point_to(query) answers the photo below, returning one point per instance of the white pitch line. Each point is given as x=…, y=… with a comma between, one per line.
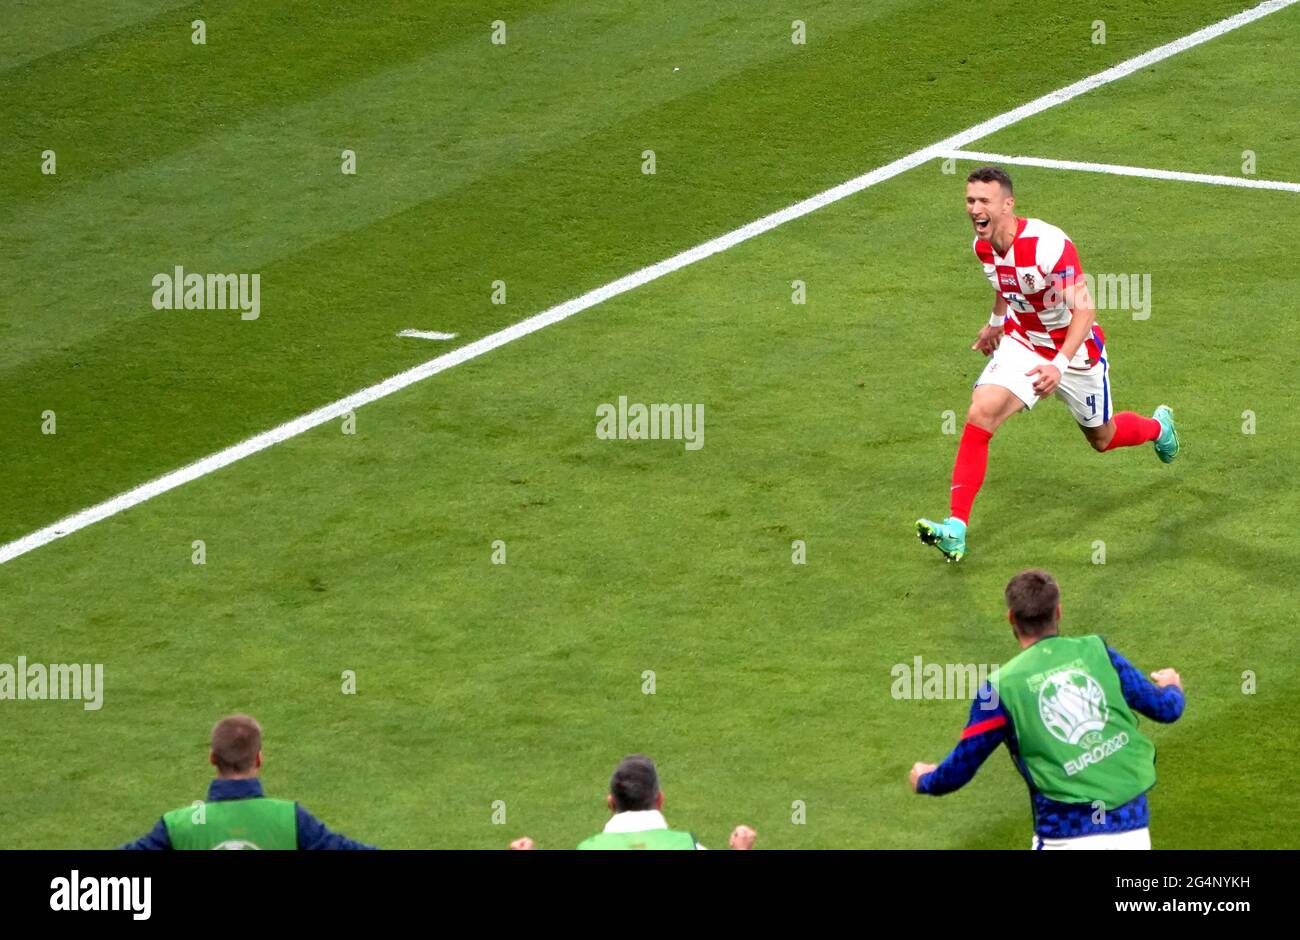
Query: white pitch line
x=425, y=334
x=1119, y=170
x=539, y=321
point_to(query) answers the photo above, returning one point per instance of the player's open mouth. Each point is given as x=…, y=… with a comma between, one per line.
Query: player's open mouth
x=981, y=223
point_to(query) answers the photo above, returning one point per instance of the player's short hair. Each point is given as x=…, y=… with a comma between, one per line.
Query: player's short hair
x=992, y=174
x=635, y=784
x=1032, y=597
x=236, y=741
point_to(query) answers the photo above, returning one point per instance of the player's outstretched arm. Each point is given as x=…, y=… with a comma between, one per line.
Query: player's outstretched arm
x=986, y=729
x=1160, y=698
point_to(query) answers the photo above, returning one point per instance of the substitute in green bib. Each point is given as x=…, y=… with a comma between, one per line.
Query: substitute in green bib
x=1067, y=709
x=637, y=804
x=237, y=814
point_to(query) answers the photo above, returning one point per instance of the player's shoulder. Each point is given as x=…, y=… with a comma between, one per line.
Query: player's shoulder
x=1037, y=228
x=1050, y=242
x=983, y=249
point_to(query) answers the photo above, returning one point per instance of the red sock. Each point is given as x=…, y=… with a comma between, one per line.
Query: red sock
x=1132, y=429
x=968, y=471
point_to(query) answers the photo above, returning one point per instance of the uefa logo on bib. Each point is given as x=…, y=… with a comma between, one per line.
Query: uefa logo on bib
x=236, y=845
x=1072, y=705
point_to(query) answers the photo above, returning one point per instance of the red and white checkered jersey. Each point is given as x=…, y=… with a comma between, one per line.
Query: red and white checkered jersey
x=1032, y=277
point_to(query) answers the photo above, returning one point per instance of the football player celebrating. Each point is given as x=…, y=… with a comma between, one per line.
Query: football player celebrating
x=1043, y=339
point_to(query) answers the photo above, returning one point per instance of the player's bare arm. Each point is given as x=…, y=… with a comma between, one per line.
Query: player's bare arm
x=991, y=334
x=1048, y=375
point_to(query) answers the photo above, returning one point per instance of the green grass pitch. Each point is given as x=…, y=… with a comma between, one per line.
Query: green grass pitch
x=372, y=552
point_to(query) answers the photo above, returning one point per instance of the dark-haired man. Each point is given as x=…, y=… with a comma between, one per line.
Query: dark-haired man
x=637, y=804
x=237, y=815
x=1042, y=308
x=1064, y=706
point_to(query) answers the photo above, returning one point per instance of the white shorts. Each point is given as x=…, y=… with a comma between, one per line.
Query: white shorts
x=1139, y=839
x=1086, y=391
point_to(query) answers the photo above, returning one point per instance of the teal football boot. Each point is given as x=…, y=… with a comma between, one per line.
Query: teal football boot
x=1167, y=442
x=948, y=536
